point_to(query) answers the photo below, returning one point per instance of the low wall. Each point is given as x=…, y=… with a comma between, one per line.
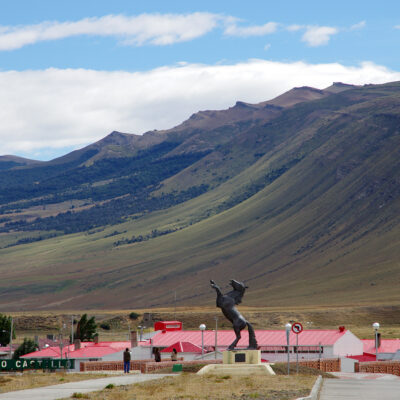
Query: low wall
x=144, y=366
x=323, y=364
x=154, y=366
x=381, y=367
x=110, y=365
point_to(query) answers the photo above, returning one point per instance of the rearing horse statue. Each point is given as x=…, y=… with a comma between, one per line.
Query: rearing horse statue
x=227, y=303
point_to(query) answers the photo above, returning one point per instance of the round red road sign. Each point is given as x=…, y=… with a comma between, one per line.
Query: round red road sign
x=297, y=328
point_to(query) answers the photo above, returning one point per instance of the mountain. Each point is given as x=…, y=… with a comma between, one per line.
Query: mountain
x=298, y=196
x=9, y=162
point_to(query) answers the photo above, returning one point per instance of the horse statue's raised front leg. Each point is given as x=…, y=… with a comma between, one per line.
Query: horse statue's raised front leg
x=216, y=287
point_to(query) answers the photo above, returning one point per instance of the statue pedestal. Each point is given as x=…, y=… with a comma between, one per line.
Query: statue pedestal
x=239, y=362
x=242, y=357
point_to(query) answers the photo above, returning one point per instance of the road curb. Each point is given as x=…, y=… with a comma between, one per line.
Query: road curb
x=314, y=391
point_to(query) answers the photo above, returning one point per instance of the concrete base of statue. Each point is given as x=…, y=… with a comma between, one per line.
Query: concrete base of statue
x=239, y=362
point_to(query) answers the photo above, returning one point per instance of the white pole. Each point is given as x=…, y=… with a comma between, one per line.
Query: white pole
x=288, y=328
x=202, y=327
x=202, y=343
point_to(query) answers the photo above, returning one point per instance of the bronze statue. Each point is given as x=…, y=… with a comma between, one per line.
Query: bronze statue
x=227, y=303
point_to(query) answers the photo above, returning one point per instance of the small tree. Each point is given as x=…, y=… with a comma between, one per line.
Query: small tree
x=86, y=328
x=27, y=346
x=133, y=315
x=5, y=327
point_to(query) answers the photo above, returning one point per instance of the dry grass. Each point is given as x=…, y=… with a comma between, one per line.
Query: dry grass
x=29, y=380
x=189, y=386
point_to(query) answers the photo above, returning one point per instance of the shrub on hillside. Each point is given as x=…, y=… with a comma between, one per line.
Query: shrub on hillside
x=134, y=315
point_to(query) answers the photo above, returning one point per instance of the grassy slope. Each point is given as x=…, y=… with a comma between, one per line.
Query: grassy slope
x=326, y=231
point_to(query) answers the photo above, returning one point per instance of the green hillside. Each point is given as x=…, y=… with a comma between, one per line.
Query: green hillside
x=302, y=203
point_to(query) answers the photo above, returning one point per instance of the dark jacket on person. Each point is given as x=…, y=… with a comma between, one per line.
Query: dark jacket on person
x=127, y=356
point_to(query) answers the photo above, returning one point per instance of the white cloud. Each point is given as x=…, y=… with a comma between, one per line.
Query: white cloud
x=359, y=25
x=254, y=30
x=155, y=29
x=318, y=35
x=267, y=46
x=57, y=108
x=397, y=27
x=294, y=28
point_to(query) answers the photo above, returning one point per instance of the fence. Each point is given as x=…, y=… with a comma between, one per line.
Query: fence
x=144, y=366
x=324, y=364
x=381, y=367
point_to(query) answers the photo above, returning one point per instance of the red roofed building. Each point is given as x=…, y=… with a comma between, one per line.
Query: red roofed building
x=84, y=351
x=312, y=343
x=182, y=347
x=168, y=326
x=389, y=349
x=187, y=350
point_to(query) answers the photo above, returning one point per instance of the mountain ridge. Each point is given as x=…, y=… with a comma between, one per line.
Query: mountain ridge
x=304, y=207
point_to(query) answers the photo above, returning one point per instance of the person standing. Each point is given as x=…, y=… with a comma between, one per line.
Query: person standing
x=127, y=361
x=157, y=355
x=174, y=355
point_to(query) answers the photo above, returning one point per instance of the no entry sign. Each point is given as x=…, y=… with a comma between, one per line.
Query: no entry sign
x=297, y=328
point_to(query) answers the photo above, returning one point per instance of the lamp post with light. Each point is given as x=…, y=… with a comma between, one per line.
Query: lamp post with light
x=288, y=327
x=376, y=326
x=202, y=327
x=216, y=336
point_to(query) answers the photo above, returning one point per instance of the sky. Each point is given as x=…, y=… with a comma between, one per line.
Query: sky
x=73, y=71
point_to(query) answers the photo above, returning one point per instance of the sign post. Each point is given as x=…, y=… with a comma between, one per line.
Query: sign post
x=297, y=328
x=35, y=363
x=288, y=327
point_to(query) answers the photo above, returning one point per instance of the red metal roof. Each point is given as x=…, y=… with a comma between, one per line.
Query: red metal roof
x=182, y=347
x=387, y=345
x=312, y=337
x=364, y=358
x=87, y=350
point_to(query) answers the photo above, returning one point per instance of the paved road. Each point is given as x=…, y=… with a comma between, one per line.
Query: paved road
x=361, y=387
x=67, y=389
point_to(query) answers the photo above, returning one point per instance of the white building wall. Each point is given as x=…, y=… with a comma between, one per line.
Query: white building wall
x=117, y=356
x=347, y=364
x=348, y=345
x=141, y=353
x=137, y=353
x=327, y=352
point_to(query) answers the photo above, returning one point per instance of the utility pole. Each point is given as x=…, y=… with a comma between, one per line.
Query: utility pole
x=175, y=307
x=216, y=336
x=72, y=329
x=11, y=335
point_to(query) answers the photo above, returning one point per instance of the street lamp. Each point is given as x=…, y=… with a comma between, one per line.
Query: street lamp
x=202, y=327
x=140, y=327
x=376, y=326
x=288, y=327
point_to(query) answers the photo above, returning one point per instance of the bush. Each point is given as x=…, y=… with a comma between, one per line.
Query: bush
x=110, y=386
x=134, y=315
x=105, y=326
x=78, y=395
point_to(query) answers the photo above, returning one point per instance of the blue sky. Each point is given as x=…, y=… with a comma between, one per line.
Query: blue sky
x=73, y=71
